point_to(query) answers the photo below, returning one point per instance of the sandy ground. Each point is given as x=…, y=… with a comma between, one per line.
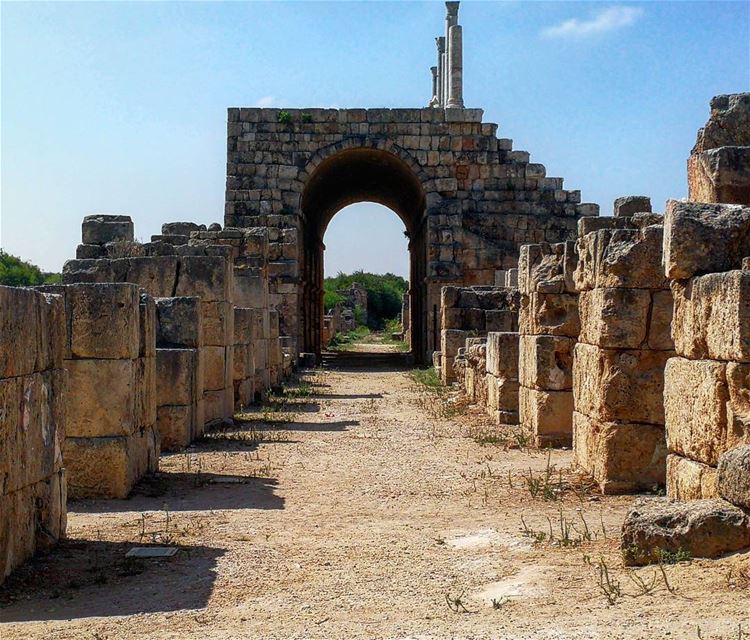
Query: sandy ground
x=368, y=516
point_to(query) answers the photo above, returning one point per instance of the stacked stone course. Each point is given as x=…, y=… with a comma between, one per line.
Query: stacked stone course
x=111, y=439
x=33, y=341
x=706, y=395
x=548, y=326
x=502, y=376
x=624, y=344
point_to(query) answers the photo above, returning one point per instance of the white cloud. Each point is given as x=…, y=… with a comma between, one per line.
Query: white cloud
x=266, y=102
x=607, y=20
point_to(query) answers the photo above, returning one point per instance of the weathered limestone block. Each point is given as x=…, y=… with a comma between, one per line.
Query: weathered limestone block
x=21, y=333
x=728, y=125
x=660, y=326
x=621, y=456
x=704, y=238
x=101, y=398
x=548, y=414
x=712, y=316
x=549, y=314
x=627, y=206
x=738, y=408
x=102, y=228
x=701, y=528
x=690, y=480
x=109, y=467
x=625, y=258
x=502, y=354
x=214, y=368
x=546, y=362
x=546, y=268
x=733, y=480
x=617, y=384
x=451, y=340
x=502, y=399
x=179, y=322
x=181, y=228
x=156, y=274
x=217, y=323
x=720, y=175
x=615, y=318
x=208, y=277
x=695, y=401
x=176, y=376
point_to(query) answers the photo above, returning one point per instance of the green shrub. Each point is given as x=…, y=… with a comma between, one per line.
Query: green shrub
x=15, y=272
x=384, y=294
x=284, y=117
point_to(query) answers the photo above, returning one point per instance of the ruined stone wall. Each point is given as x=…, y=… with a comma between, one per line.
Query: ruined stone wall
x=548, y=327
x=707, y=383
x=33, y=343
x=180, y=415
x=467, y=312
x=476, y=200
x=111, y=439
x=502, y=376
x=244, y=358
x=624, y=344
x=719, y=163
x=474, y=354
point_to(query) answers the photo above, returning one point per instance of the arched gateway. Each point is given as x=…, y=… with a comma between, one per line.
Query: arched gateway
x=468, y=201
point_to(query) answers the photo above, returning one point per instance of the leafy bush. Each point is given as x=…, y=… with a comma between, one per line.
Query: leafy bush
x=284, y=117
x=384, y=294
x=15, y=272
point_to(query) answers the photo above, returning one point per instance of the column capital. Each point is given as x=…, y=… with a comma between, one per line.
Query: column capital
x=452, y=9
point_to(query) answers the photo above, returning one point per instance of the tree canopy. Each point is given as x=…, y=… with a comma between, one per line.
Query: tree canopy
x=15, y=272
x=384, y=294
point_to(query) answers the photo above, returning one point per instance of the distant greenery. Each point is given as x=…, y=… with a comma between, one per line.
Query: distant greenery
x=342, y=340
x=384, y=294
x=15, y=272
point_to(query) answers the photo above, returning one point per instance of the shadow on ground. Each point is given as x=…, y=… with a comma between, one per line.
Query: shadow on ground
x=86, y=578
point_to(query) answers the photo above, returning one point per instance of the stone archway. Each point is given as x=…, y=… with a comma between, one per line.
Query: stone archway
x=346, y=176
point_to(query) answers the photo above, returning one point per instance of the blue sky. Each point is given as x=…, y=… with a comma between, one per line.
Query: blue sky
x=121, y=107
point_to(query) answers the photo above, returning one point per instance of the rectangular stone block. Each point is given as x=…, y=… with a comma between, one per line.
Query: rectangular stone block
x=103, y=228
x=720, y=175
x=501, y=320
x=690, y=480
x=546, y=268
x=177, y=426
x=177, y=376
x=214, y=406
x=547, y=414
x=452, y=318
x=502, y=395
x=622, y=457
x=738, y=408
x=660, y=327
x=626, y=258
x=20, y=331
x=147, y=326
x=502, y=354
x=104, y=320
x=217, y=320
x=616, y=318
x=549, y=314
x=546, y=362
x=208, y=277
x=179, y=322
x=214, y=368
x=704, y=238
x=243, y=329
x=619, y=384
x=145, y=392
x=712, y=316
x=695, y=401
x=156, y=274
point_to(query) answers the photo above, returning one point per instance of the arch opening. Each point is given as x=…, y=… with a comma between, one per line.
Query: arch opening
x=349, y=177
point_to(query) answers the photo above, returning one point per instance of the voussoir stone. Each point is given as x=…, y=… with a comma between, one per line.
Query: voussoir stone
x=700, y=528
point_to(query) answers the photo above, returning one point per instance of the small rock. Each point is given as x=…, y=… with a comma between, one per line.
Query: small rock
x=700, y=528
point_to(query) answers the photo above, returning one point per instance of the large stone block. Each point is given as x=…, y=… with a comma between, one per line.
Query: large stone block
x=728, y=125
x=704, y=238
x=546, y=268
x=104, y=320
x=720, y=175
x=712, y=316
x=156, y=274
x=177, y=376
x=733, y=481
x=616, y=384
x=218, y=323
x=738, y=408
x=695, y=403
x=145, y=392
x=690, y=480
x=547, y=414
x=549, y=314
x=502, y=395
x=625, y=258
x=615, y=318
x=621, y=456
x=660, y=326
x=20, y=331
x=101, y=398
x=101, y=228
x=502, y=354
x=546, y=362
x=214, y=368
x=176, y=425
x=147, y=326
x=208, y=277
x=243, y=325
x=701, y=528
x=179, y=322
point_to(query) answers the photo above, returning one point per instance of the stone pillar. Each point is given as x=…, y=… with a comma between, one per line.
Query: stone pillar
x=440, y=42
x=434, y=98
x=455, y=69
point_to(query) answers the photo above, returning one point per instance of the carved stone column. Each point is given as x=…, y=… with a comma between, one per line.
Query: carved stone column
x=456, y=66
x=434, y=99
x=440, y=42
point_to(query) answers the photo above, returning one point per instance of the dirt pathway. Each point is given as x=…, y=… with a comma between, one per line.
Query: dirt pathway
x=368, y=516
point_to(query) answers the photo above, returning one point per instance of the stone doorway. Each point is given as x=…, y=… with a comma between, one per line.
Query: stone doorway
x=361, y=174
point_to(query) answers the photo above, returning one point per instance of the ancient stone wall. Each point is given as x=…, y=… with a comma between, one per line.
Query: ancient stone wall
x=548, y=327
x=467, y=312
x=707, y=384
x=33, y=344
x=502, y=376
x=467, y=199
x=180, y=414
x=624, y=344
x=719, y=164
x=111, y=439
